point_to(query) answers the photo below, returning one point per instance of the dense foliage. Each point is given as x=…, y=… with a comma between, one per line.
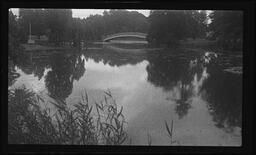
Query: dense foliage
x=164, y=27
x=13, y=35
x=227, y=27
x=169, y=27
x=61, y=28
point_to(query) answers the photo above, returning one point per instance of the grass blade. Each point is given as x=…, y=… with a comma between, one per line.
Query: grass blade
x=168, y=130
x=120, y=112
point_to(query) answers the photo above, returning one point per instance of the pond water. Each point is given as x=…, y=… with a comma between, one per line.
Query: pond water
x=200, y=91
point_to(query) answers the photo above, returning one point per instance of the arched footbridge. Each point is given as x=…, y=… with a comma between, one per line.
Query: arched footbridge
x=124, y=35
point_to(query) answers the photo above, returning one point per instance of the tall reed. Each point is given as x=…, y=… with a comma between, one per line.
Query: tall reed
x=170, y=132
x=29, y=123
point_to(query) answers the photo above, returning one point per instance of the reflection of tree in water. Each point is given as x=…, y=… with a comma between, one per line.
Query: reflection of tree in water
x=12, y=74
x=35, y=66
x=64, y=70
x=23, y=62
x=114, y=58
x=183, y=104
x=39, y=67
x=224, y=94
x=166, y=71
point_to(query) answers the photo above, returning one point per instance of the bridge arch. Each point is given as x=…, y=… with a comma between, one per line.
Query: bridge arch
x=125, y=34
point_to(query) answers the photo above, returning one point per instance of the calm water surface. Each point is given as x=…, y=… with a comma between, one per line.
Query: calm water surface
x=200, y=91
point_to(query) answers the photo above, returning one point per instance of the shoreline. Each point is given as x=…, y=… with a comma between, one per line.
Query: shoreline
x=197, y=45
x=37, y=47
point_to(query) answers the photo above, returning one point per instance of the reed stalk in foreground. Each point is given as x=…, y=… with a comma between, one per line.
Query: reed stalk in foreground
x=149, y=139
x=29, y=123
x=170, y=132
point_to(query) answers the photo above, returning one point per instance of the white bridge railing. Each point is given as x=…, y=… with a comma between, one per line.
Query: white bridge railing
x=123, y=34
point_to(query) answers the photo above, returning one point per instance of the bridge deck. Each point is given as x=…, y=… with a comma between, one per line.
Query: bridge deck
x=125, y=34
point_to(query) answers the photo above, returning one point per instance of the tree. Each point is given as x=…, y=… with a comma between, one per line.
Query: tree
x=60, y=27
x=166, y=27
x=122, y=21
x=169, y=27
x=13, y=31
x=197, y=23
x=95, y=26
x=76, y=31
x=35, y=17
x=227, y=28
x=57, y=23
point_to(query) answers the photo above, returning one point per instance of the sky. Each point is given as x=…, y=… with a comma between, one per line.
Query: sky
x=84, y=13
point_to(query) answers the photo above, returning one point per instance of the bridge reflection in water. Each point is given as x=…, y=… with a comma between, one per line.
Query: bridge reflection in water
x=130, y=48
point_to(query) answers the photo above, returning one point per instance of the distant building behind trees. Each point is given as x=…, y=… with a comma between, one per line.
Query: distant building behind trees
x=39, y=39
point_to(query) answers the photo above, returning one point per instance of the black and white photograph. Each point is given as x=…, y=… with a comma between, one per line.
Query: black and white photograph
x=130, y=77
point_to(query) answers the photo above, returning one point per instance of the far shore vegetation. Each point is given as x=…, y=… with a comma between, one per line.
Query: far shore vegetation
x=164, y=28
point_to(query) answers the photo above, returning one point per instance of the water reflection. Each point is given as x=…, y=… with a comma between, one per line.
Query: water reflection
x=175, y=69
x=203, y=75
x=224, y=93
x=151, y=86
x=183, y=104
x=113, y=58
x=23, y=61
x=64, y=70
x=30, y=64
x=165, y=69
